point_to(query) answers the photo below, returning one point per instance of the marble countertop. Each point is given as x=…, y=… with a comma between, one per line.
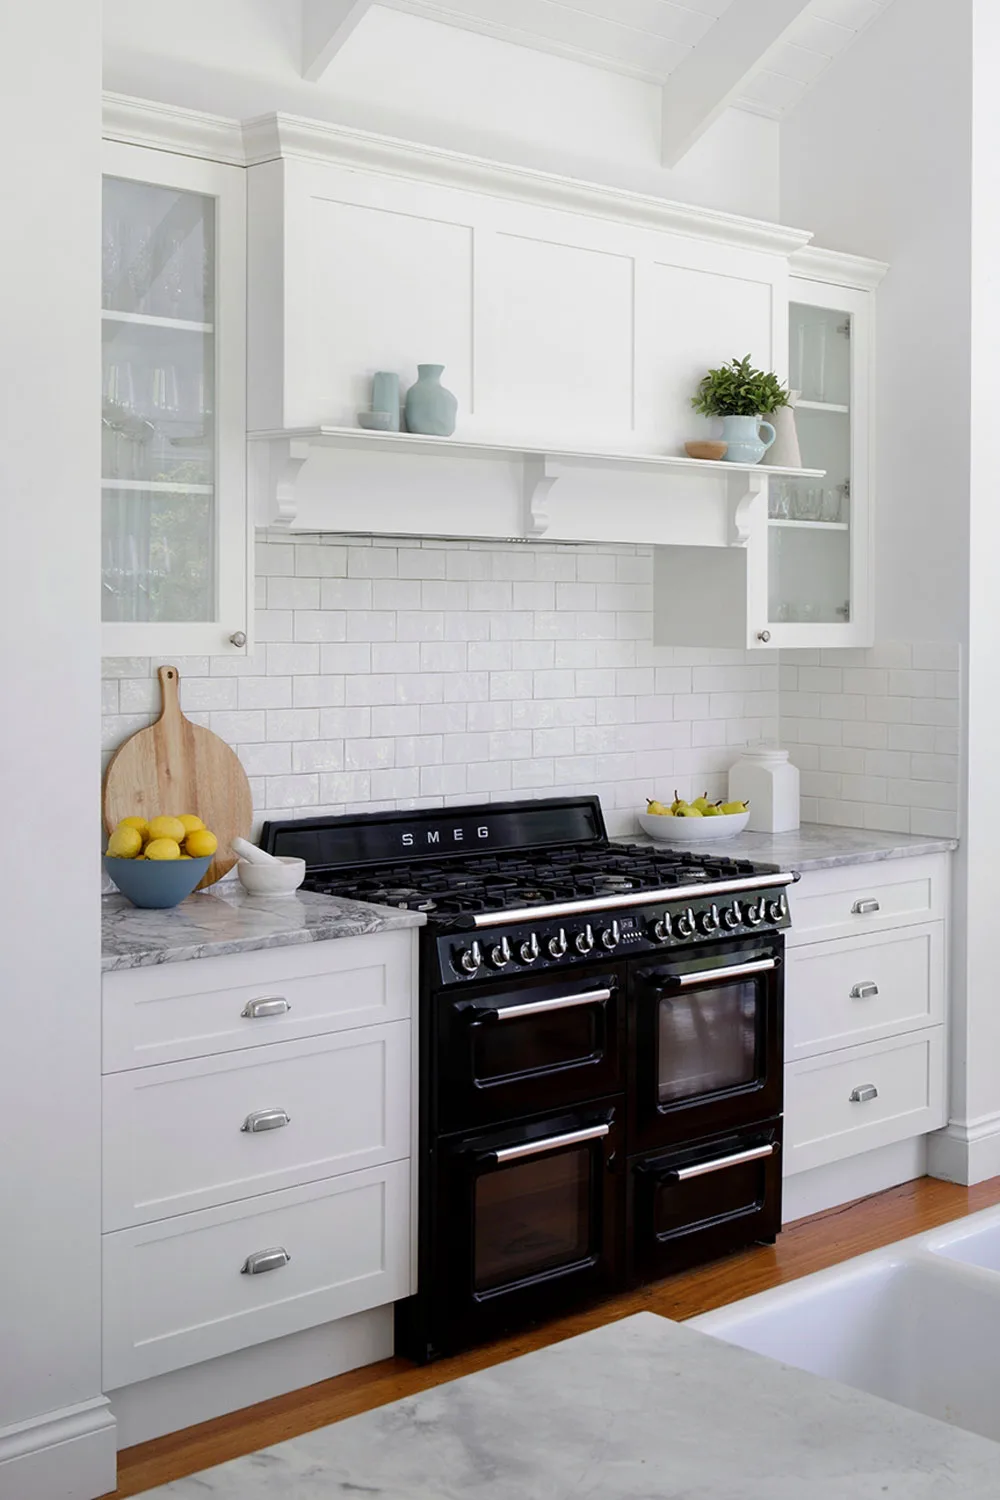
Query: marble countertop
x=820, y=846
x=643, y=1409
x=227, y=920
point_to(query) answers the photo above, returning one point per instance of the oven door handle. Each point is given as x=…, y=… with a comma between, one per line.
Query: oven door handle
x=485, y=1012
x=708, y=976
x=551, y=1143
x=720, y=1163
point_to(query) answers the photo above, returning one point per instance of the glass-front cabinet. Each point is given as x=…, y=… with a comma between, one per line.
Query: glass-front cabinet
x=174, y=540
x=818, y=530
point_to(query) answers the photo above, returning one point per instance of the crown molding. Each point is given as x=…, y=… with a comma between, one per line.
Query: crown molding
x=170, y=127
x=273, y=137
x=838, y=268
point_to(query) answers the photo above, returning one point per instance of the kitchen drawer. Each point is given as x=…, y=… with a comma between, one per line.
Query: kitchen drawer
x=173, y=1011
x=828, y=989
x=854, y=899
x=173, y=1140
x=824, y=1124
x=174, y=1293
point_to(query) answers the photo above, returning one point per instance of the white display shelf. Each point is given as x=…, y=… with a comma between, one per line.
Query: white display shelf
x=158, y=486
x=809, y=525
x=148, y=320
x=830, y=406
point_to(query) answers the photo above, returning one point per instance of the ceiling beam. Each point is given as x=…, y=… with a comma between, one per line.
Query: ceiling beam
x=713, y=74
x=326, y=25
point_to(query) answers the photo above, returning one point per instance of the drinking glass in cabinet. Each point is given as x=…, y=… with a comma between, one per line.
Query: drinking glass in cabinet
x=158, y=555
x=820, y=355
x=158, y=252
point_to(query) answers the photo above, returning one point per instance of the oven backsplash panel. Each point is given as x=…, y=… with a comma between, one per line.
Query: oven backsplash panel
x=396, y=673
x=399, y=673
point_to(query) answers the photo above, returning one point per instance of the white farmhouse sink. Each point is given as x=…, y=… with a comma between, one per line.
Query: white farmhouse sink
x=917, y=1323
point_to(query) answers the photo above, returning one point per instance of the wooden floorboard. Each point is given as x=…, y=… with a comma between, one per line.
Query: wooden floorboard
x=808, y=1245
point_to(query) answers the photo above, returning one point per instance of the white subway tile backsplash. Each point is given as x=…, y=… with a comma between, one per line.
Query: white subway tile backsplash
x=318, y=755
x=266, y=760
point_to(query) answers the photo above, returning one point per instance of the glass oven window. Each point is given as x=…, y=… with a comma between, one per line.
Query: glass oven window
x=538, y=1044
x=683, y=1207
x=707, y=1040
x=532, y=1217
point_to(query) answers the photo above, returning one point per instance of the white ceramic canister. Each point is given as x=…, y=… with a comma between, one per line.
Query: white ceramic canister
x=766, y=779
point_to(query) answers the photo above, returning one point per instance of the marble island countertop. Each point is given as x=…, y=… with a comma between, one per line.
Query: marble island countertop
x=642, y=1409
x=819, y=846
x=226, y=920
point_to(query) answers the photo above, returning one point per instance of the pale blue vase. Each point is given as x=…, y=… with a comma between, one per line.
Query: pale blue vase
x=385, y=396
x=742, y=434
x=430, y=409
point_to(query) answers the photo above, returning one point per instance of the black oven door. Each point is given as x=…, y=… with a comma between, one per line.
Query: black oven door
x=517, y=1048
x=527, y=1221
x=696, y=1203
x=705, y=1046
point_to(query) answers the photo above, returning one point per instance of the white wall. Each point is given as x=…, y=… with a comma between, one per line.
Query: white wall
x=406, y=76
x=50, y=1186
x=875, y=160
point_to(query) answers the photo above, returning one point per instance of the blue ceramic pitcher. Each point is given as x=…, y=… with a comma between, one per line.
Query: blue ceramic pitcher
x=742, y=434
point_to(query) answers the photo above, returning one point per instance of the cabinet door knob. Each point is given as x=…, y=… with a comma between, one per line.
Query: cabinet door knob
x=265, y=1260
x=863, y=1093
x=238, y=639
x=265, y=1119
x=764, y=635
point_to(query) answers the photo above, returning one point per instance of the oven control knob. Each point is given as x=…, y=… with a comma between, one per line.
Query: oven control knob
x=685, y=923
x=584, y=941
x=558, y=945
x=755, y=914
x=529, y=950
x=500, y=954
x=663, y=928
x=776, y=910
x=611, y=937
x=708, y=921
x=732, y=917
x=471, y=961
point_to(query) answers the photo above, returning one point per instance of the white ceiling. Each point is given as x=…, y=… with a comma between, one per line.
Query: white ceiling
x=648, y=38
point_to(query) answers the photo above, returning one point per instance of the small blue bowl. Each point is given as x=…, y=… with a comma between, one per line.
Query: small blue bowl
x=156, y=883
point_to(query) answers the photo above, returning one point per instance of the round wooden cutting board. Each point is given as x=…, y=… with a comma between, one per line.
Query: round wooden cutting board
x=177, y=767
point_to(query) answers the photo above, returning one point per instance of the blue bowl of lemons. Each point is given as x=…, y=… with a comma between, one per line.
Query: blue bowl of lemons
x=155, y=864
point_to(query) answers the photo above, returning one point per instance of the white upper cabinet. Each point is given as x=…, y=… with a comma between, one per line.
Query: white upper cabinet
x=572, y=334
x=803, y=578
x=174, y=545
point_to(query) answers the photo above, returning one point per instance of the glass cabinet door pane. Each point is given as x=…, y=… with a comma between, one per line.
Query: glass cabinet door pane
x=158, y=447
x=809, y=530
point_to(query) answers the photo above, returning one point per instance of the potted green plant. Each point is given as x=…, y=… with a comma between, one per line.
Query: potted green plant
x=741, y=396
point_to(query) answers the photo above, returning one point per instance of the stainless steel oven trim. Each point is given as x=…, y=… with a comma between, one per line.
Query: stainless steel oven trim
x=714, y=976
x=720, y=1163
x=551, y=1143
x=632, y=898
x=541, y=1007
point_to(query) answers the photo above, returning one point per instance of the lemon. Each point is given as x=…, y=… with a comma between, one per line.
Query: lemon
x=191, y=823
x=139, y=824
x=163, y=848
x=200, y=843
x=168, y=828
x=125, y=842
x=184, y=856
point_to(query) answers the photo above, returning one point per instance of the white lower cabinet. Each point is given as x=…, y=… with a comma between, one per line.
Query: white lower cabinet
x=865, y=1006
x=259, y=1182
x=183, y=1290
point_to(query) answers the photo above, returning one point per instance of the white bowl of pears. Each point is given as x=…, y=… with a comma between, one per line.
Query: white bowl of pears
x=697, y=822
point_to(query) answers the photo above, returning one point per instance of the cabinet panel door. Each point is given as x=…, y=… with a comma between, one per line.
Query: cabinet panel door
x=174, y=552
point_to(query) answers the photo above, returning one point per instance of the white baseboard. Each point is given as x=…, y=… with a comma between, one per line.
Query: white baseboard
x=69, y=1454
x=966, y=1152
x=842, y=1181
x=200, y=1392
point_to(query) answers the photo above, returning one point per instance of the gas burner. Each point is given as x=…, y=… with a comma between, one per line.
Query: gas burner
x=615, y=883
x=405, y=899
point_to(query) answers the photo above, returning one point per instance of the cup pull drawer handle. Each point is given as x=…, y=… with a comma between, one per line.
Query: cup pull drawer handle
x=865, y=908
x=863, y=1093
x=265, y=1260
x=265, y=1119
x=866, y=990
x=268, y=1005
